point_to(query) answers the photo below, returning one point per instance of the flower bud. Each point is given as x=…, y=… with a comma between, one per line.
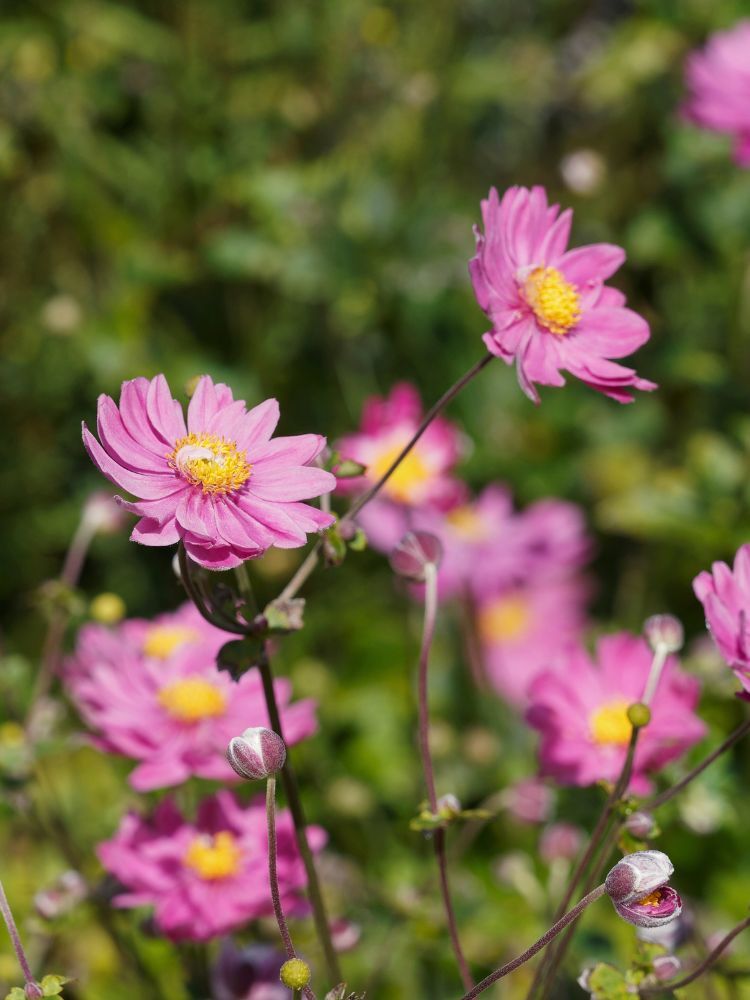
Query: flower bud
x=107, y=608
x=257, y=754
x=560, y=840
x=666, y=966
x=295, y=974
x=659, y=907
x=33, y=991
x=641, y=824
x=637, y=875
x=414, y=552
x=664, y=633
x=639, y=715
x=61, y=896
x=448, y=806
x=102, y=513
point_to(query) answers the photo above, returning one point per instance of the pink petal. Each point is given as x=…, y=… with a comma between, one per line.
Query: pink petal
x=300, y=449
x=124, y=449
x=164, y=412
x=607, y=332
x=147, y=486
x=591, y=264
x=195, y=513
x=291, y=483
x=206, y=401
x=148, y=532
x=258, y=425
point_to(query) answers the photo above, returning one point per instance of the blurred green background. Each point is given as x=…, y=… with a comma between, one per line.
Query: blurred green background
x=281, y=194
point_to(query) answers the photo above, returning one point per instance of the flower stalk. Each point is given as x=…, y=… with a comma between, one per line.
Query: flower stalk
x=15, y=939
x=707, y=963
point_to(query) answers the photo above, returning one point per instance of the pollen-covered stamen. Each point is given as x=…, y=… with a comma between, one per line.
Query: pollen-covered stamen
x=214, y=857
x=555, y=301
x=211, y=462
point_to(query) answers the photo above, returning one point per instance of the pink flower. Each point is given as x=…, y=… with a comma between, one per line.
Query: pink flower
x=174, y=714
x=524, y=628
x=486, y=544
x=580, y=708
x=718, y=78
x=725, y=596
x=424, y=477
x=549, y=307
x=219, y=483
x=205, y=879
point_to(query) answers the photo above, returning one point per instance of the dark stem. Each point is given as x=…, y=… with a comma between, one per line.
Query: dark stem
x=195, y=595
x=548, y=968
x=274, y=878
x=15, y=937
x=434, y=410
x=291, y=790
x=704, y=966
x=659, y=800
x=543, y=941
x=428, y=631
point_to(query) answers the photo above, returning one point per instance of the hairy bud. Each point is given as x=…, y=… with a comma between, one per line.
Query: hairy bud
x=664, y=633
x=637, y=875
x=257, y=754
x=641, y=824
x=295, y=974
x=414, y=553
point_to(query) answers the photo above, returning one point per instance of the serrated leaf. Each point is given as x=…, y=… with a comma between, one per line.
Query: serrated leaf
x=16, y=994
x=52, y=985
x=239, y=656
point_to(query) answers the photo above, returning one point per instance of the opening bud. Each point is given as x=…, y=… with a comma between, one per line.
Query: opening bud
x=257, y=754
x=295, y=974
x=642, y=825
x=637, y=886
x=637, y=875
x=664, y=633
x=414, y=552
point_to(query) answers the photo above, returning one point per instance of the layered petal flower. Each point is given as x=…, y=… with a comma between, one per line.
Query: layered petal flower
x=580, y=709
x=725, y=596
x=219, y=482
x=205, y=878
x=550, y=308
x=718, y=82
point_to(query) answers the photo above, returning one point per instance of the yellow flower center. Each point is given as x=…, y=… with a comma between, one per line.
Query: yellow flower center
x=653, y=899
x=193, y=699
x=555, y=302
x=405, y=482
x=504, y=619
x=162, y=640
x=467, y=523
x=214, y=857
x=210, y=462
x=610, y=724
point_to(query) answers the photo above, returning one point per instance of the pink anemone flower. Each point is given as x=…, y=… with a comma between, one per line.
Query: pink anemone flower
x=725, y=596
x=175, y=716
x=424, y=478
x=550, y=308
x=718, y=78
x=220, y=483
x=580, y=709
x=522, y=629
x=205, y=878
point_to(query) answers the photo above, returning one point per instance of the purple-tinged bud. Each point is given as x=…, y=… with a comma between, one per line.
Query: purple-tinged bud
x=664, y=633
x=659, y=907
x=666, y=966
x=641, y=824
x=61, y=896
x=33, y=991
x=637, y=875
x=257, y=754
x=560, y=840
x=102, y=513
x=414, y=553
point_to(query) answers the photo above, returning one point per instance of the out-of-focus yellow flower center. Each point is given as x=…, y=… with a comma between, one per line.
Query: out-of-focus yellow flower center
x=609, y=724
x=162, y=640
x=12, y=734
x=107, y=608
x=193, y=699
x=405, y=482
x=214, y=858
x=504, y=619
x=556, y=303
x=467, y=523
x=210, y=462
x=653, y=899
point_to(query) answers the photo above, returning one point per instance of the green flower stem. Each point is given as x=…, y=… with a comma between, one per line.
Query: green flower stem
x=428, y=632
x=543, y=941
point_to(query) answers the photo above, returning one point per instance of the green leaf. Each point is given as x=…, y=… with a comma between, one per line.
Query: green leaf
x=16, y=994
x=52, y=985
x=349, y=469
x=359, y=542
x=239, y=656
x=605, y=982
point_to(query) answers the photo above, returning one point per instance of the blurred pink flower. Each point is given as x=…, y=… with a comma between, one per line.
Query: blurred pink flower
x=175, y=714
x=486, y=544
x=423, y=478
x=725, y=596
x=221, y=484
x=524, y=628
x=529, y=800
x=718, y=79
x=580, y=708
x=549, y=307
x=207, y=878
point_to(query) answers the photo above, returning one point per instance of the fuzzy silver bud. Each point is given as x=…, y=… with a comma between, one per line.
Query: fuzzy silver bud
x=257, y=754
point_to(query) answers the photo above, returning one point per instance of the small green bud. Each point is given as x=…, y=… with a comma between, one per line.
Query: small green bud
x=295, y=974
x=639, y=715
